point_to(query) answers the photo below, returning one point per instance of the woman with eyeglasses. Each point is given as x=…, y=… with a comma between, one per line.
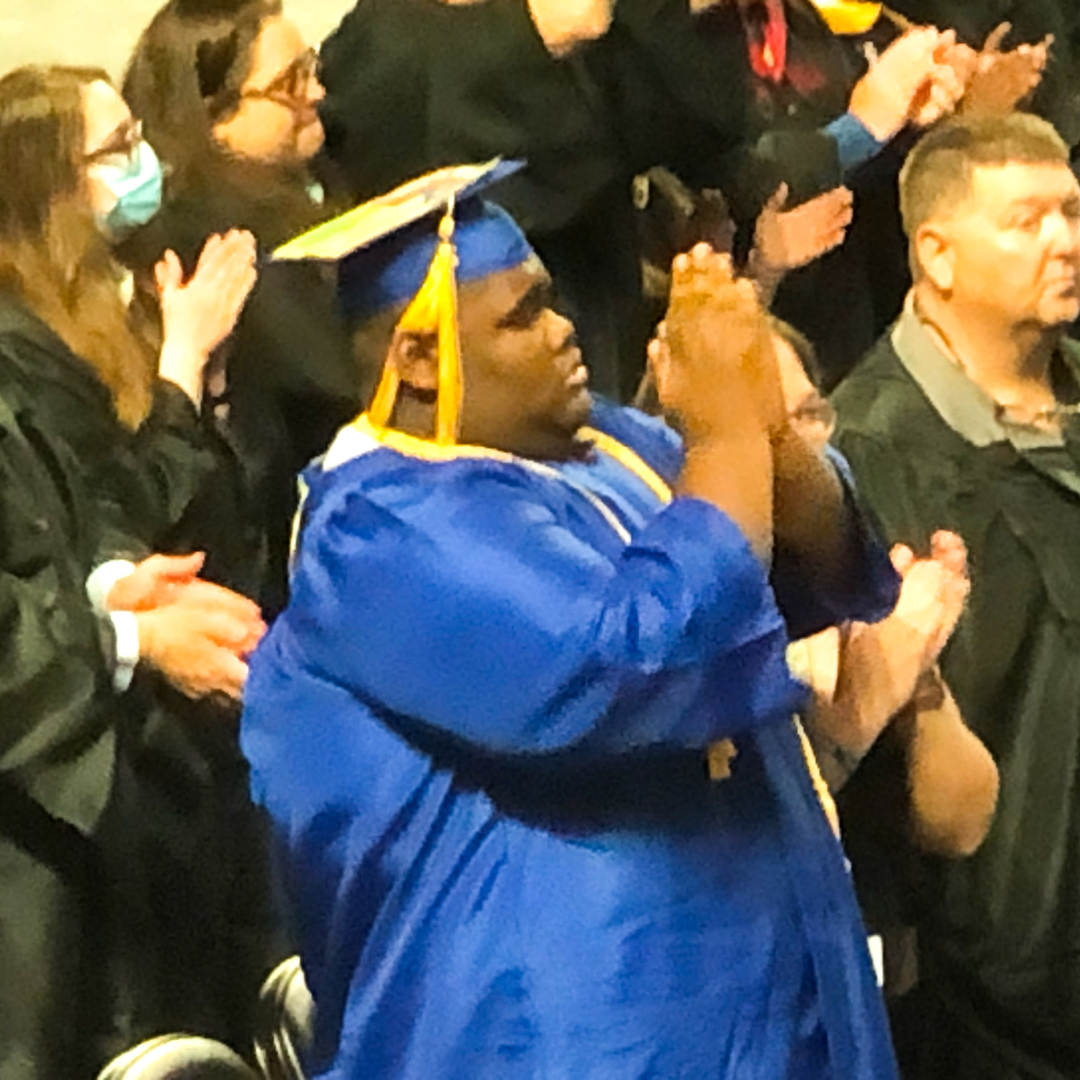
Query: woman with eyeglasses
x=109, y=393
x=227, y=92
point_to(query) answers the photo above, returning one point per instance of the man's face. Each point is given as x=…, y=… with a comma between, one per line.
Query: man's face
x=1015, y=244
x=525, y=388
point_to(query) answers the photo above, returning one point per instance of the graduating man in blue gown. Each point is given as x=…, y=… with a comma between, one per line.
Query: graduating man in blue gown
x=526, y=730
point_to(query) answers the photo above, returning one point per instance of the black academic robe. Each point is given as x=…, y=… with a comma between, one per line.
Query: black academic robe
x=999, y=931
x=57, y=746
x=179, y=837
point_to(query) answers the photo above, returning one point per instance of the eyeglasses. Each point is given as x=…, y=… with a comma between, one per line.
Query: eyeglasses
x=817, y=410
x=121, y=147
x=291, y=86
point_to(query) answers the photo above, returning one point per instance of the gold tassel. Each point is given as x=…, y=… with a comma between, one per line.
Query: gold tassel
x=432, y=311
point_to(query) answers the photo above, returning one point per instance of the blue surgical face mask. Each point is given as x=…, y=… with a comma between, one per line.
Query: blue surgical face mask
x=136, y=186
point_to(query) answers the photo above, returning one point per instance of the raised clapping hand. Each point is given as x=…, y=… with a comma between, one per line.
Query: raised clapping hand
x=995, y=81
x=199, y=314
x=784, y=240
x=911, y=82
x=714, y=356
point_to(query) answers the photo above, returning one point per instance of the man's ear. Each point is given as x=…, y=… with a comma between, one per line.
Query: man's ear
x=416, y=357
x=935, y=256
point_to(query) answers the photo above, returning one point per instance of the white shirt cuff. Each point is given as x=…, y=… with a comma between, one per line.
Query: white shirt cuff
x=126, y=632
x=100, y=583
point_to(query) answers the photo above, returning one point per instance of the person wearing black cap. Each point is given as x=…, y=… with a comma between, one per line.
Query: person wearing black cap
x=525, y=727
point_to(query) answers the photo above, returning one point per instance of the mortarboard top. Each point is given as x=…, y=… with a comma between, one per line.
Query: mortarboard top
x=380, y=218
x=412, y=246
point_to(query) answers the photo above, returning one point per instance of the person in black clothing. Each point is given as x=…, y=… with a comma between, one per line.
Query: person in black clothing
x=423, y=83
x=179, y=835
x=418, y=84
x=964, y=417
x=62, y=992
x=226, y=91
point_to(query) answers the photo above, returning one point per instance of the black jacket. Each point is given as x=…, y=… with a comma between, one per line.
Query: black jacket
x=999, y=931
x=180, y=882
x=58, y=725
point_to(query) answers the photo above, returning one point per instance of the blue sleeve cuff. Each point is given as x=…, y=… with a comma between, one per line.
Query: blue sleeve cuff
x=855, y=145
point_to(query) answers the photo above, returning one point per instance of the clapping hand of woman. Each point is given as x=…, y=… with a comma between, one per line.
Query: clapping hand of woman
x=199, y=314
x=195, y=633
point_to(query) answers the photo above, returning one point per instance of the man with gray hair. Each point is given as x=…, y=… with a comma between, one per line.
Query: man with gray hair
x=964, y=418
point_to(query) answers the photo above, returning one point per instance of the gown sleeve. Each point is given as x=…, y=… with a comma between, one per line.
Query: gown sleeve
x=870, y=586
x=55, y=720
x=476, y=608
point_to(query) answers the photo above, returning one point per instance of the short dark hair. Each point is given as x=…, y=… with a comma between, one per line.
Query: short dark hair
x=936, y=178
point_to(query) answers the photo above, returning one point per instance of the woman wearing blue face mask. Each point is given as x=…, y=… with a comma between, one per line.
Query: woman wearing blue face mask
x=119, y=385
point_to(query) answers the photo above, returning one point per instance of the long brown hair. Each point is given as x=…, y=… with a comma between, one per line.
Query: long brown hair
x=51, y=252
x=184, y=77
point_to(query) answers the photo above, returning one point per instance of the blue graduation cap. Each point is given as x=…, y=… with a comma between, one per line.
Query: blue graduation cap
x=413, y=246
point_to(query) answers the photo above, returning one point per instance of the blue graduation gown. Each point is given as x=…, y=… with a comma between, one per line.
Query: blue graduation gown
x=480, y=728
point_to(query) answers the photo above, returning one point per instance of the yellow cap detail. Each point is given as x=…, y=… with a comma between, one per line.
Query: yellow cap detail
x=848, y=16
x=432, y=311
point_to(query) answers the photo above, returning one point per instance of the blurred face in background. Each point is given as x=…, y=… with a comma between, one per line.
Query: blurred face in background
x=276, y=118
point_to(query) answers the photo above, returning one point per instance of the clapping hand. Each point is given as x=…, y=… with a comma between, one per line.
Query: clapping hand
x=713, y=358
x=200, y=313
x=911, y=82
x=998, y=81
x=933, y=593
x=784, y=240
x=195, y=633
x=200, y=642
x=882, y=664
